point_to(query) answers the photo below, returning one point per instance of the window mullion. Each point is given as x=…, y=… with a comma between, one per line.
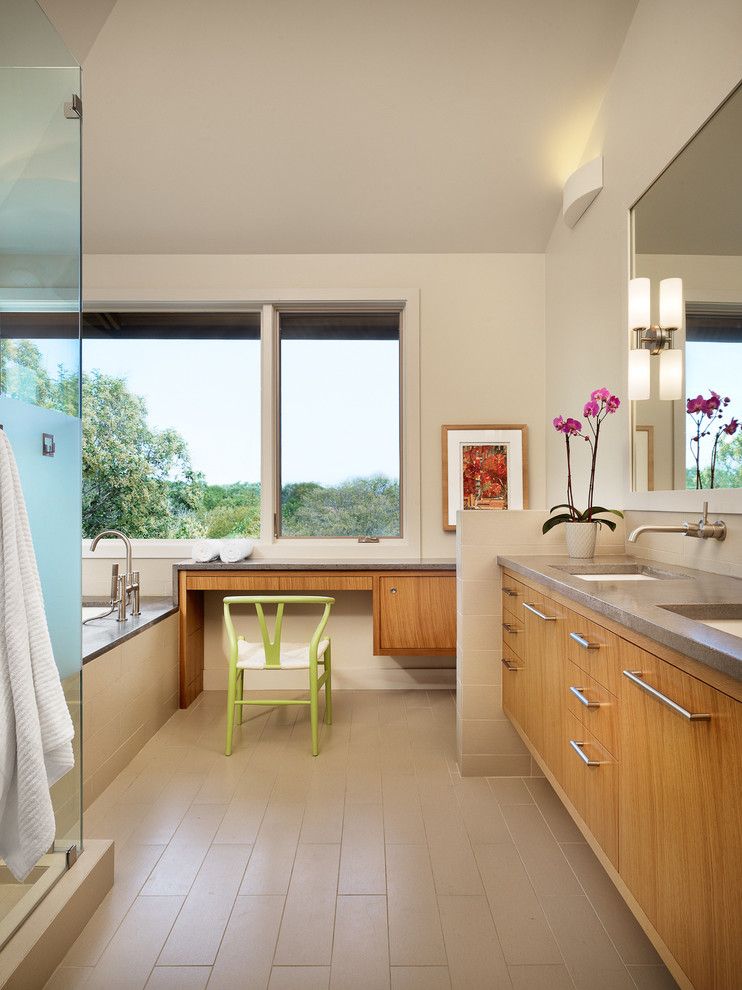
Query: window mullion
x=268, y=424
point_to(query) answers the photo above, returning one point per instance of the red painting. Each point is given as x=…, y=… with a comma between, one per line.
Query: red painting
x=484, y=472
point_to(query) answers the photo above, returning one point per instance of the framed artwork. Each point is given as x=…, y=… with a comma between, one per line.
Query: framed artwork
x=643, y=453
x=484, y=468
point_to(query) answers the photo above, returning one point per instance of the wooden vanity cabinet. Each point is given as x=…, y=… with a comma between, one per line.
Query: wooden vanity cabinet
x=680, y=815
x=415, y=615
x=656, y=792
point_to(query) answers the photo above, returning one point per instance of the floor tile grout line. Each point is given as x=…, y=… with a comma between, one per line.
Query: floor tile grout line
x=535, y=892
x=580, y=884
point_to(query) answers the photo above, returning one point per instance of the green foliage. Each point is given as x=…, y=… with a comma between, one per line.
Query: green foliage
x=587, y=515
x=728, y=467
x=357, y=507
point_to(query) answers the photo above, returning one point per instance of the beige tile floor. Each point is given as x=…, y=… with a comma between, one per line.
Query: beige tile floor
x=372, y=866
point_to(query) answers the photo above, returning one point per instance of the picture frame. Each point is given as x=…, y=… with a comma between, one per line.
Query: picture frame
x=485, y=468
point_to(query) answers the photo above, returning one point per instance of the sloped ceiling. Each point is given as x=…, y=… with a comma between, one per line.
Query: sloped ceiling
x=78, y=21
x=282, y=126
x=695, y=206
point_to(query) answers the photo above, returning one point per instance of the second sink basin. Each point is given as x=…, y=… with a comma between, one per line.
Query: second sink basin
x=724, y=617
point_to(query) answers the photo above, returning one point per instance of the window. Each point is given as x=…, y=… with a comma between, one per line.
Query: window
x=171, y=424
x=339, y=424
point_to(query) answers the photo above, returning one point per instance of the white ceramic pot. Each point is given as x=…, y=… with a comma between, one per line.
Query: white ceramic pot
x=581, y=537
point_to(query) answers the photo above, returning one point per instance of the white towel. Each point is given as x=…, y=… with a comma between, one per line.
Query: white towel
x=36, y=730
x=204, y=551
x=232, y=551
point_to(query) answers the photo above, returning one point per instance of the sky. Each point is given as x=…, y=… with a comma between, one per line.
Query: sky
x=340, y=404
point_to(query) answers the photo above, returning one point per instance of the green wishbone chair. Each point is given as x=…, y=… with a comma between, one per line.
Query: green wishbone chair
x=271, y=655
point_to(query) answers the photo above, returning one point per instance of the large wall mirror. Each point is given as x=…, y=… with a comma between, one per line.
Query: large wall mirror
x=688, y=226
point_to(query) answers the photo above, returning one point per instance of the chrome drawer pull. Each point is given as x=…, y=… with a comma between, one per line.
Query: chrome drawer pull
x=509, y=666
x=546, y=618
x=577, y=747
x=635, y=676
x=577, y=692
x=510, y=593
x=584, y=643
x=510, y=629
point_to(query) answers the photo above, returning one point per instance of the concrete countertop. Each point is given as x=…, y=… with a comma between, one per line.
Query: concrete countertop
x=292, y=564
x=101, y=635
x=636, y=604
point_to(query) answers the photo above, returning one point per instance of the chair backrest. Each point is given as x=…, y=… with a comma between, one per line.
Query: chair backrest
x=272, y=646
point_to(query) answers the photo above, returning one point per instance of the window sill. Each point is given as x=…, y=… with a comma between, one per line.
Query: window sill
x=333, y=549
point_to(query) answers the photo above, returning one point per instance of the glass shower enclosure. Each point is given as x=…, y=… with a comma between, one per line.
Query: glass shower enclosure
x=40, y=263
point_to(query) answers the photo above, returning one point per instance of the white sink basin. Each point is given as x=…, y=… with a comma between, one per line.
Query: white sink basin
x=616, y=577
x=725, y=617
x=733, y=626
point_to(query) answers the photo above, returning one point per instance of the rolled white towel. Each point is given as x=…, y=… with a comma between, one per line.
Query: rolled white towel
x=204, y=551
x=233, y=551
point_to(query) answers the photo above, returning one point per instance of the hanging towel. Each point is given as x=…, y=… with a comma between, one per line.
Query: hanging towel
x=204, y=551
x=36, y=730
x=231, y=551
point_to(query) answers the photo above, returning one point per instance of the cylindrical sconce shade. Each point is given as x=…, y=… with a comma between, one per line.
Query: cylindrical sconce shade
x=639, y=303
x=671, y=374
x=671, y=302
x=639, y=380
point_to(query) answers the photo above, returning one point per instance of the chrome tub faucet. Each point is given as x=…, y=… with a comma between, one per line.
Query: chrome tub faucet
x=124, y=587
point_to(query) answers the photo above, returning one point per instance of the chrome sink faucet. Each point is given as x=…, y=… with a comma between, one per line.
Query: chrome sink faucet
x=124, y=587
x=701, y=530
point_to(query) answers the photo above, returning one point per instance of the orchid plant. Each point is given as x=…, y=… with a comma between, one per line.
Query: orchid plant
x=602, y=403
x=707, y=414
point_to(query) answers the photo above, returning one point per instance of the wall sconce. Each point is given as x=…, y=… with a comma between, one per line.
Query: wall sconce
x=651, y=339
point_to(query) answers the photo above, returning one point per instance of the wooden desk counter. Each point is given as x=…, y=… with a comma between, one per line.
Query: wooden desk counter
x=413, y=602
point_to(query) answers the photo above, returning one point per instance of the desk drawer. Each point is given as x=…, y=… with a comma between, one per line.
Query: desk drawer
x=594, y=650
x=594, y=706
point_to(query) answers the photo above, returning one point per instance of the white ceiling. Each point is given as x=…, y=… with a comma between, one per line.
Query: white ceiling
x=287, y=126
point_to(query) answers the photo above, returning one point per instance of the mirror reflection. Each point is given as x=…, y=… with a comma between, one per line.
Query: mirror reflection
x=685, y=364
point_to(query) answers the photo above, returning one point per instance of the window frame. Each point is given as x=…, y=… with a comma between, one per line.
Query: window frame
x=269, y=304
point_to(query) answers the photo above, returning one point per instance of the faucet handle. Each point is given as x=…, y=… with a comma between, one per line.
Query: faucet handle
x=114, y=582
x=705, y=516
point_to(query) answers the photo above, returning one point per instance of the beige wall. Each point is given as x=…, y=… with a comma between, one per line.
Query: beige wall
x=645, y=119
x=481, y=361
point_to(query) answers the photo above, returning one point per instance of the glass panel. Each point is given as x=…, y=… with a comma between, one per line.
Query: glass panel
x=191, y=469
x=688, y=225
x=340, y=478
x=40, y=368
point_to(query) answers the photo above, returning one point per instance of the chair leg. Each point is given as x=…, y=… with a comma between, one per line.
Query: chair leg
x=328, y=686
x=240, y=694
x=231, y=692
x=313, y=711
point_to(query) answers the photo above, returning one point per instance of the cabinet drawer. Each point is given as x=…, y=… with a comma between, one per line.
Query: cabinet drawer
x=512, y=596
x=594, y=706
x=513, y=634
x=591, y=782
x=594, y=650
